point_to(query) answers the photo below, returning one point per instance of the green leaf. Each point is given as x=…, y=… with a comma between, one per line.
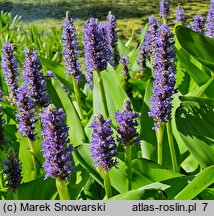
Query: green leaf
x=153, y=171
x=141, y=194
x=122, y=49
x=197, y=185
x=128, y=43
x=115, y=94
x=207, y=194
x=38, y=189
x=79, y=177
x=8, y=110
x=138, y=180
x=186, y=41
x=76, y=131
x=26, y=159
x=148, y=144
x=197, y=45
x=194, y=122
x=59, y=70
x=82, y=152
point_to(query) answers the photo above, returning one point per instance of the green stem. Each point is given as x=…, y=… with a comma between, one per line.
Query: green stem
x=171, y=146
x=159, y=136
x=33, y=152
x=107, y=182
x=128, y=160
x=103, y=95
x=16, y=195
x=77, y=96
x=1, y=177
x=62, y=189
x=165, y=21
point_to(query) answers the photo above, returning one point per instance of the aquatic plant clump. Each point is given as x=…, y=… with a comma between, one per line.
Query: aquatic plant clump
x=10, y=68
x=103, y=147
x=56, y=148
x=96, y=47
x=12, y=170
x=127, y=129
x=71, y=50
x=164, y=75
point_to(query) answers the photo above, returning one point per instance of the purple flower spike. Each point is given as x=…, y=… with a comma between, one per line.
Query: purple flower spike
x=210, y=21
x=103, y=146
x=56, y=148
x=164, y=74
x=96, y=47
x=12, y=170
x=198, y=24
x=71, y=50
x=164, y=9
x=148, y=46
x=142, y=55
x=10, y=68
x=151, y=35
x=180, y=15
x=34, y=78
x=25, y=115
x=125, y=72
x=112, y=38
x=127, y=120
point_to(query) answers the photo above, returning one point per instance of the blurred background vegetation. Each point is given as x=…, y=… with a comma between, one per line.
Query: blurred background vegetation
x=37, y=23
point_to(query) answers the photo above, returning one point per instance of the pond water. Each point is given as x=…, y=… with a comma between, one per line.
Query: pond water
x=32, y=10
x=131, y=14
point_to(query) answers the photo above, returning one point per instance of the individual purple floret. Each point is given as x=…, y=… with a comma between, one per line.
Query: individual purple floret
x=127, y=120
x=34, y=78
x=198, y=24
x=50, y=74
x=10, y=68
x=12, y=170
x=180, y=17
x=103, y=146
x=210, y=21
x=56, y=148
x=25, y=114
x=164, y=9
x=71, y=50
x=112, y=38
x=96, y=47
x=164, y=74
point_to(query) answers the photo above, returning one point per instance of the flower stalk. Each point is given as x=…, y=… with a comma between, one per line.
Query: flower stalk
x=159, y=136
x=171, y=146
x=62, y=189
x=128, y=161
x=103, y=95
x=107, y=182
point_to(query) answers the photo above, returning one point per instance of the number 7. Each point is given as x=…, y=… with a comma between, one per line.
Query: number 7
x=205, y=205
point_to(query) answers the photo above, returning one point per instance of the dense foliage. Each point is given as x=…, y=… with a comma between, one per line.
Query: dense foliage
x=100, y=128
